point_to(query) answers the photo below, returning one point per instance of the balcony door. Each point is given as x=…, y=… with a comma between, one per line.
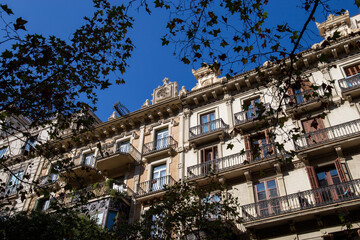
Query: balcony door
x=162, y=139
x=207, y=122
x=123, y=147
x=265, y=191
x=258, y=146
x=158, y=177
x=316, y=131
x=251, y=105
x=207, y=157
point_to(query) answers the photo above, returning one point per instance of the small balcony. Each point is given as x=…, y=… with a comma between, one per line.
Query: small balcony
x=350, y=86
x=209, y=131
x=306, y=101
x=345, y=135
x=81, y=174
x=49, y=181
x=162, y=146
x=251, y=118
x=234, y=165
x=117, y=160
x=154, y=186
x=302, y=203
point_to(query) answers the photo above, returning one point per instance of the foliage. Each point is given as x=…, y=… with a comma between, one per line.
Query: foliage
x=188, y=210
x=39, y=225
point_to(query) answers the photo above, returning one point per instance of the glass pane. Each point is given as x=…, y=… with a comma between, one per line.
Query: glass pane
x=110, y=219
x=271, y=184
x=333, y=172
x=124, y=147
x=260, y=187
x=212, y=116
x=204, y=119
x=273, y=193
x=321, y=175
x=161, y=167
x=261, y=196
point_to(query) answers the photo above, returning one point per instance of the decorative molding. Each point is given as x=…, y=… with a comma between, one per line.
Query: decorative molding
x=166, y=91
x=180, y=165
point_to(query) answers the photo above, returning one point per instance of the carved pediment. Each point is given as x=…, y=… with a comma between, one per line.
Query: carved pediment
x=166, y=91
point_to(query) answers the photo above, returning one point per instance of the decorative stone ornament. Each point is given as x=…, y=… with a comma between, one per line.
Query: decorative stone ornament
x=205, y=77
x=166, y=91
x=146, y=104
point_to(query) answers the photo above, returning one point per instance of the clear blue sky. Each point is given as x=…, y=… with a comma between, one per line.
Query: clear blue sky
x=150, y=61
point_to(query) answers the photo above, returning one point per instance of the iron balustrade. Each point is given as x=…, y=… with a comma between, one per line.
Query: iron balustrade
x=129, y=149
x=301, y=201
x=155, y=185
x=328, y=134
x=159, y=144
x=232, y=161
x=48, y=179
x=307, y=96
x=251, y=114
x=208, y=127
x=349, y=83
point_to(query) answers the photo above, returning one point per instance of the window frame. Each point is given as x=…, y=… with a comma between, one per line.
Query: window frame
x=83, y=159
x=2, y=152
x=13, y=188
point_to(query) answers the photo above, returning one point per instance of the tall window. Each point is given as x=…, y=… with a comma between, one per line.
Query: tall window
x=300, y=94
x=3, y=151
x=315, y=125
x=352, y=70
x=207, y=155
x=88, y=159
x=252, y=108
x=158, y=177
x=265, y=191
x=258, y=146
x=162, y=140
x=14, y=182
x=30, y=144
x=124, y=147
x=207, y=122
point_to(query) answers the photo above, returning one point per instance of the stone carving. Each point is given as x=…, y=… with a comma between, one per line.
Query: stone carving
x=167, y=90
x=205, y=76
x=182, y=92
x=146, y=104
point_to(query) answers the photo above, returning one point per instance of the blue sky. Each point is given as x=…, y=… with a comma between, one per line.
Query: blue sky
x=150, y=62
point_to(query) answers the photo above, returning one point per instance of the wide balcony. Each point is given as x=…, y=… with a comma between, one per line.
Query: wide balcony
x=97, y=190
x=160, y=146
x=118, y=159
x=209, y=131
x=233, y=165
x=302, y=203
x=154, y=186
x=81, y=174
x=345, y=135
x=252, y=117
x=305, y=101
x=350, y=86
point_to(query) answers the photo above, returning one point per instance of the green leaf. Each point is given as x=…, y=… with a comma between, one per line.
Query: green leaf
x=357, y=3
x=230, y=146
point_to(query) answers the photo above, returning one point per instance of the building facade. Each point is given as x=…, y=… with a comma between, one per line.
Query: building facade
x=184, y=136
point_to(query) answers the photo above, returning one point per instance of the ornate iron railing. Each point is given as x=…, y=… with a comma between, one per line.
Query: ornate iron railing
x=48, y=179
x=159, y=144
x=233, y=161
x=251, y=114
x=349, y=83
x=208, y=127
x=328, y=134
x=155, y=185
x=129, y=149
x=301, y=201
x=304, y=97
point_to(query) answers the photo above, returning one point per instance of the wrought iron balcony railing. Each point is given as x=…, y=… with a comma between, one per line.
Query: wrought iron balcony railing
x=349, y=83
x=208, y=127
x=48, y=179
x=301, y=201
x=304, y=97
x=155, y=185
x=159, y=144
x=233, y=161
x=328, y=134
x=251, y=114
x=127, y=149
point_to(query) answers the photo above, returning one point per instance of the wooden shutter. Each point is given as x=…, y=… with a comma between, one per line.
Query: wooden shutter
x=313, y=182
x=340, y=170
x=352, y=70
x=267, y=136
x=247, y=143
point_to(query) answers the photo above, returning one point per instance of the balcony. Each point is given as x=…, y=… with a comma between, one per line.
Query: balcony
x=345, y=135
x=154, y=186
x=49, y=181
x=234, y=165
x=209, y=131
x=302, y=203
x=305, y=101
x=117, y=160
x=97, y=190
x=350, y=87
x=81, y=174
x=250, y=118
x=160, y=146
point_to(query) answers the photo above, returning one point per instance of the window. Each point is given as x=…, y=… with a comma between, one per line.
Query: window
x=213, y=206
x=14, y=182
x=3, y=152
x=124, y=147
x=352, y=70
x=207, y=157
x=300, y=93
x=258, y=146
x=111, y=218
x=158, y=177
x=314, y=125
x=265, y=191
x=251, y=105
x=43, y=204
x=98, y=217
x=30, y=144
x=88, y=159
x=162, y=140
x=207, y=122
x=118, y=184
